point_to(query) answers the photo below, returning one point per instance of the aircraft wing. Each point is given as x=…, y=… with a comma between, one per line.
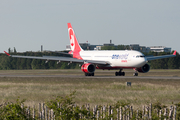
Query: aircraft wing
x=64, y=53
x=63, y=59
x=69, y=59
x=160, y=57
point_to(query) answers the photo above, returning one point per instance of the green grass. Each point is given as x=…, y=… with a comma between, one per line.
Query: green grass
x=90, y=90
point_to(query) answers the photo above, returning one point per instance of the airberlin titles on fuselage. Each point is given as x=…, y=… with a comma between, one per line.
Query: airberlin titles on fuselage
x=121, y=56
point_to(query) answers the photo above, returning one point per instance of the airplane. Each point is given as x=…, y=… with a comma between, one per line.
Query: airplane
x=102, y=59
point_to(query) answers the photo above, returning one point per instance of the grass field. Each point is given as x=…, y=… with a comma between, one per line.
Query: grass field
x=101, y=91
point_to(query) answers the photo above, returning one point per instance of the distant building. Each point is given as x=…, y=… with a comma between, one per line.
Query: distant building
x=41, y=48
x=144, y=49
x=160, y=49
x=135, y=47
x=85, y=46
x=108, y=44
x=68, y=47
x=98, y=47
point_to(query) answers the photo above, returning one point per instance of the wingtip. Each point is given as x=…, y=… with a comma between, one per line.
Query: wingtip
x=174, y=52
x=7, y=53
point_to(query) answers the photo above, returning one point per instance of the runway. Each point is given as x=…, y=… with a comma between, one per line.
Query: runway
x=90, y=77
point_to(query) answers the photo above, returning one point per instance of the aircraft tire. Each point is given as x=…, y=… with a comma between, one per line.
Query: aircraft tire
x=89, y=74
x=116, y=73
x=119, y=73
x=86, y=74
x=135, y=74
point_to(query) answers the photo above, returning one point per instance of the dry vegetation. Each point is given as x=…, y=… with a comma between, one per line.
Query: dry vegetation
x=91, y=90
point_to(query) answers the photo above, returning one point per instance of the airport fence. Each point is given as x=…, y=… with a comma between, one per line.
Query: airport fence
x=107, y=112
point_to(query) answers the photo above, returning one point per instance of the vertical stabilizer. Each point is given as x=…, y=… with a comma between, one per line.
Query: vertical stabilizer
x=74, y=45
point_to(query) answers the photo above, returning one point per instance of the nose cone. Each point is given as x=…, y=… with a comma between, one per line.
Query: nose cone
x=145, y=60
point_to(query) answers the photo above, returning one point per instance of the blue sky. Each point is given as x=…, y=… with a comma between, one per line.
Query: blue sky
x=28, y=24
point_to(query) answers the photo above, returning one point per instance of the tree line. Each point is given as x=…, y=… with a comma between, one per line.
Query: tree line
x=10, y=63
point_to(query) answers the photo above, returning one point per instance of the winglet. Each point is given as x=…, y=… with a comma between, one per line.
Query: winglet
x=174, y=52
x=7, y=53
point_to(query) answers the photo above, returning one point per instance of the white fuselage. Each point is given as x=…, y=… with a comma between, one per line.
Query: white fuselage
x=116, y=58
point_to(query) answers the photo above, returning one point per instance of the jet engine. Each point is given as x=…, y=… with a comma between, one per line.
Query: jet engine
x=144, y=69
x=88, y=68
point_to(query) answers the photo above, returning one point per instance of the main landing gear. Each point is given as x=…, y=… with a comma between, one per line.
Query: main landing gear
x=89, y=74
x=120, y=73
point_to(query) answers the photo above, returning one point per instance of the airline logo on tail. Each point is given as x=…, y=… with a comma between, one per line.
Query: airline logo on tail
x=71, y=35
x=75, y=47
x=73, y=41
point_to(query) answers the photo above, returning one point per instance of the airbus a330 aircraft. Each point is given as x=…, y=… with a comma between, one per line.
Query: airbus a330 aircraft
x=102, y=59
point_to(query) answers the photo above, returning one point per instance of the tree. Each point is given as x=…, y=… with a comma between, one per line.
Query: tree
x=171, y=63
x=36, y=64
x=64, y=65
x=9, y=50
x=123, y=47
x=108, y=48
x=15, y=50
x=7, y=62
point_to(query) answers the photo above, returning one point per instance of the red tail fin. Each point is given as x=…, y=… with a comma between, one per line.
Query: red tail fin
x=74, y=45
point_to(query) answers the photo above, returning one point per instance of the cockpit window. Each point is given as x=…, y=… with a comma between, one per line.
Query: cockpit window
x=140, y=56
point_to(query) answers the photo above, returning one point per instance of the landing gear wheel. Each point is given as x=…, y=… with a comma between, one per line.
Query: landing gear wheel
x=86, y=74
x=135, y=74
x=89, y=74
x=123, y=73
x=116, y=73
x=120, y=73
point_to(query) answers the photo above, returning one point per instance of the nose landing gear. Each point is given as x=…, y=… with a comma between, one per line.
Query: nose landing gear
x=135, y=74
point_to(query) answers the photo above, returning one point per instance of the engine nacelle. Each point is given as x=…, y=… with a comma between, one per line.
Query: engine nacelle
x=144, y=69
x=88, y=68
